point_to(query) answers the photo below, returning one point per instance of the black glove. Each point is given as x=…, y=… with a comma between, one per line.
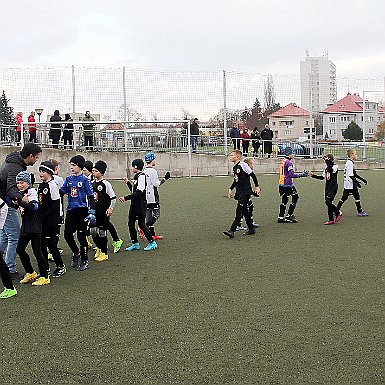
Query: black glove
x=167, y=176
x=365, y=181
x=255, y=194
x=358, y=184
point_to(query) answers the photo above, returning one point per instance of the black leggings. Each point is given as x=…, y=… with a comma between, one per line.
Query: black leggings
x=75, y=223
x=152, y=215
x=113, y=232
x=5, y=275
x=140, y=217
x=345, y=196
x=242, y=210
x=332, y=209
x=35, y=239
x=49, y=242
x=285, y=192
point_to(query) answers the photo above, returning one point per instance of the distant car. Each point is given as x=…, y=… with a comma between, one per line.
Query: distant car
x=298, y=150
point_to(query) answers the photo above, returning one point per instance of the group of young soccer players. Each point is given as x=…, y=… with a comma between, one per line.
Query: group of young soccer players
x=243, y=174
x=90, y=203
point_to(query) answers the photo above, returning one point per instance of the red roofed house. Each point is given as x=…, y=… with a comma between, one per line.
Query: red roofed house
x=337, y=117
x=288, y=122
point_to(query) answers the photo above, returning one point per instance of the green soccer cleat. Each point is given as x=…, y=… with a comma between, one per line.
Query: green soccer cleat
x=8, y=293
x=117, y=245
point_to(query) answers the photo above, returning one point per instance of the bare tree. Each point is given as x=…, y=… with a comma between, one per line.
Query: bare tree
x=269, y=93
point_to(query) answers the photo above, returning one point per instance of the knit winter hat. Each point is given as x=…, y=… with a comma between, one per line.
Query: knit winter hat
x=138, y=164
x=25, y=177
x=78, y=160
x=88, y=165
x=101, y=166
x=47, y=166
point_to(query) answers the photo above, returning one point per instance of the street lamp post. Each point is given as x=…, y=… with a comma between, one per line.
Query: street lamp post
x=39, y=111
x=364, y=120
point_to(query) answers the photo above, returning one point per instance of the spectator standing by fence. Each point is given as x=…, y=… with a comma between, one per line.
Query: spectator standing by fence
x=88, y=130
x=235, y=136
x=267, y=137
x=32, y=127
x=194, y=134
x=55, y=130
x=19, y=121
x=245, y=141
x=68, y=132
x=255, y=137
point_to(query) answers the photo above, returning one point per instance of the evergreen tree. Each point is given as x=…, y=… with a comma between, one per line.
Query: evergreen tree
x=380, y=133
x=353, y=132
x=6, y=112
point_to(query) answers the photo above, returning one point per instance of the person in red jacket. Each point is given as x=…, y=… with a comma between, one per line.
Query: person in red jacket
x=245, y=141
x=32, y=127
x=19, y=120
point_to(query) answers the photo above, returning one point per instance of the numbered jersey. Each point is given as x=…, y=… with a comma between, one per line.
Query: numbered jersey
x=104, y=194
x=77, y=187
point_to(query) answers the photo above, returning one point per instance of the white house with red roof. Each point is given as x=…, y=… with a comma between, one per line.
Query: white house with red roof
x=288, y=122
x=337, y=117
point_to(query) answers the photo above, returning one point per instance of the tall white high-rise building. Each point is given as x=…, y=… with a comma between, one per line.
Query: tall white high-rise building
x=318, y=83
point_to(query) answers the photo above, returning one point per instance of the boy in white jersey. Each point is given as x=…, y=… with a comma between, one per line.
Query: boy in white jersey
x=352, y=184
x=152, y=195
x=59, y=182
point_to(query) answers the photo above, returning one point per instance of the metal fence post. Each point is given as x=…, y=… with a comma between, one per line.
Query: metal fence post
x=189, y=148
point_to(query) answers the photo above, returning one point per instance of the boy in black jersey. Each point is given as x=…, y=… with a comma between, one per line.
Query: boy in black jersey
x=242, y=174
x=137, y=210
x=49, y=210
x=105, y=200
x=30, y=231
x=331, y=187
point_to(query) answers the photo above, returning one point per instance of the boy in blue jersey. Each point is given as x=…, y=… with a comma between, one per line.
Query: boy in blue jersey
x=80, y=210
x=287, y=188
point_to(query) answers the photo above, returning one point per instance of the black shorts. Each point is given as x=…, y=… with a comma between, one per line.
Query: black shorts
x=287, y=190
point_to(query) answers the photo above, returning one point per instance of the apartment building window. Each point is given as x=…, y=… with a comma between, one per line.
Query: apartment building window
x=287, y=132
x=371, y=119
x=371, y=130
x=332, y=119
x=345, y=119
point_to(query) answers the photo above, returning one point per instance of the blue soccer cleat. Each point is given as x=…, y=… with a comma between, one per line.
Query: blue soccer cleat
x=151, y=246
x=133, y=246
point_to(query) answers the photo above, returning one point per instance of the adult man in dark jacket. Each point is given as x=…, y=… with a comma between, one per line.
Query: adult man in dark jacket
x=88, y=131
x=13, y=164
x=194, y=133
x=267, y=137
x=55, y=130
x=235, y=136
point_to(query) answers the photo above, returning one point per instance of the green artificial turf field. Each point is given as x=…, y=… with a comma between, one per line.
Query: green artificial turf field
x=294, y=304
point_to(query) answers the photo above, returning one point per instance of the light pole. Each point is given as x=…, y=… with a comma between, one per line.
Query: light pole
x=39, y=111
x=364, y=120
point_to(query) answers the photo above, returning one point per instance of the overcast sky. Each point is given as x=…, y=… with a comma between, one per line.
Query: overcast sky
x=201, y=35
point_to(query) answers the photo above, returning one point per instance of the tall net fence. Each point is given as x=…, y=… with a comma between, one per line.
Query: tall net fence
x=135, y=94
x=121, y=96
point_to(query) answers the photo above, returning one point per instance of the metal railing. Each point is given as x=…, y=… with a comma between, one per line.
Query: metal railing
x=177, y=140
